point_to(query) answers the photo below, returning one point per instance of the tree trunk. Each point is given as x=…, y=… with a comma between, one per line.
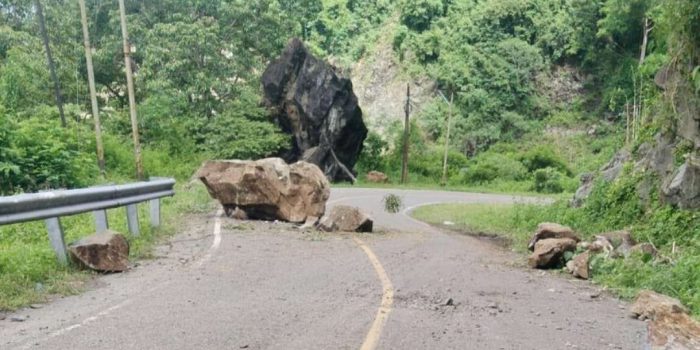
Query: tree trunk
x=447, y=141
x=645, y=40
x=406, y=136
x=130, y=90
x=93, y=93
x=49, y=58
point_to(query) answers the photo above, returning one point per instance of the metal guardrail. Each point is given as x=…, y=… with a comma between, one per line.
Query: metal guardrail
x=50, y=206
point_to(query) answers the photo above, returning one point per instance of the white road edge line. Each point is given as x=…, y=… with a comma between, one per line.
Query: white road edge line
x=217, y=238
x=214, y=246
x=372, y=338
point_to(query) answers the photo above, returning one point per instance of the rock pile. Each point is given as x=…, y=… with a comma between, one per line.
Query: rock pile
x=267, y=189
x=318, y=107
x=551, y=243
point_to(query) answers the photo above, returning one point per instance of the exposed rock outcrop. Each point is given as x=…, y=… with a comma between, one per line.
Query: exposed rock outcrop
x=107, y=251
x=346, y=219
x=318, y=107
x=609, y=172
x=683, y=187
x=267, y=189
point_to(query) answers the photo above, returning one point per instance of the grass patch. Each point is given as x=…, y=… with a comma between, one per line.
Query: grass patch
x=29, y=272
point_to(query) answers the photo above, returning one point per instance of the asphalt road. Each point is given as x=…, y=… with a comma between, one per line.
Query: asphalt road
x=226, y=284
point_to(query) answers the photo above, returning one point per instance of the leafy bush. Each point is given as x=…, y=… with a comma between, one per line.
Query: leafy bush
x=489, y=166
x=543, y=156
x=37, y=153
x=392, y=203
x=550, y=180
x=372, y=155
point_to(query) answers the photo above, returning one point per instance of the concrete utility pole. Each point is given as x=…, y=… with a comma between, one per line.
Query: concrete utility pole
x=447, y=138
x=406, y=136
x=49, y=57
x=93, y=94
x=130, y=89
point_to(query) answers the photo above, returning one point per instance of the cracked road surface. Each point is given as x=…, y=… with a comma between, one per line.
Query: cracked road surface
x=263, y=285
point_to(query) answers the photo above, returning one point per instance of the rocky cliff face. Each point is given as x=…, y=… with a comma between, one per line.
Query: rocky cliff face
x=672, y=158
x=318, y=107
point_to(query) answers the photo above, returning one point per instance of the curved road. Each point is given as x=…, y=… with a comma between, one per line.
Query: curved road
x=226, y=284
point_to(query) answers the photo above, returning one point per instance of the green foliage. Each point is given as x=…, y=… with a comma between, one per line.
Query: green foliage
x=489, y=166
x=392, y=203
x=543, y=156
x=38, y=154
x=372, y=155
x=551, y=180
x=418, y=15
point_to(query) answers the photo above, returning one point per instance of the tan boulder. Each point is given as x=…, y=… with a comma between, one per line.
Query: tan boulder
x=550, y=252
x=107, y=251
x=267, y=189
x=551, y=230
x=377, y=177
x=580, y=265
x=670, y=326
x=347, y=219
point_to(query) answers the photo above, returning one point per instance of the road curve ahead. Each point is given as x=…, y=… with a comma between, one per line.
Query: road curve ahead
x=227, y=284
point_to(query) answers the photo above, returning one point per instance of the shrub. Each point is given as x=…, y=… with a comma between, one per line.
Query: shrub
x=543, y=156
x=39, y=154
x=392, y=203
x=490, y=166
x=550, y=180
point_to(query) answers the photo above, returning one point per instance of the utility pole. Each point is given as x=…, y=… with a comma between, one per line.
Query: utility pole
x=406, y=136
x=93, y=94
x=130, y=89
x=52, y=68
x=447, y=139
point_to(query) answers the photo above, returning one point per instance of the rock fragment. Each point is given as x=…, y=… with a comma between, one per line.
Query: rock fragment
x=551, y=230
x=347, y=219
x=550, y=252
x=107, y=251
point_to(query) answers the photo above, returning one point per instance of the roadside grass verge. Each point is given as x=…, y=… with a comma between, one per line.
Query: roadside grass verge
x=675, y=233
x=29, y=272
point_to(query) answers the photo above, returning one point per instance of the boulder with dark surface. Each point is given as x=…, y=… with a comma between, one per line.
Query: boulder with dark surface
x=683, y=187
x=107, y=251
x=312, y=102
x=267, y=189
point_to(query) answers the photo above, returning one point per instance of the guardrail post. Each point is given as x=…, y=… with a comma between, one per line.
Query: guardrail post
x=132, y=219
x=53, y=225
x=101, y=223
x=155, y=212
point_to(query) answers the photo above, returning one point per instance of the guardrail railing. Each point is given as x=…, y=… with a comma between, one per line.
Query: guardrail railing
x=51, y=206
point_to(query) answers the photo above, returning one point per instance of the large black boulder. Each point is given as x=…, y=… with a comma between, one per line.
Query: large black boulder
x=312, y=102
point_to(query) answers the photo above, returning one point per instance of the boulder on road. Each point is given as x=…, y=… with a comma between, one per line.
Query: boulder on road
x=267, y=189
x=313, y=103
x=670, y=326
x=550, y=252
x=551, y=230
x=377, y=177
x=347, y=219
x=107, y=251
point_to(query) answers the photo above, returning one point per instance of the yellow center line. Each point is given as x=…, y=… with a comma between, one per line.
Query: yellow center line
x=372, y=338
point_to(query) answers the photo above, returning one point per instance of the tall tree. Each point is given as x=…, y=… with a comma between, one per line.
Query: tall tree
x=49, y=58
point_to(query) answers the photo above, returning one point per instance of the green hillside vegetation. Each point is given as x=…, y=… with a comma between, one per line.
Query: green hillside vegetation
x=544, y=91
